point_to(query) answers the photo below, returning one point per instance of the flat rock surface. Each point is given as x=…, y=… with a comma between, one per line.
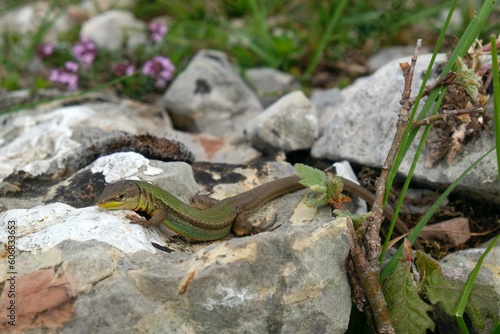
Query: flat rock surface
x=95, y=272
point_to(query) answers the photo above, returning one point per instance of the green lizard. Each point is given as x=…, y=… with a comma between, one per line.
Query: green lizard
x=215, y=222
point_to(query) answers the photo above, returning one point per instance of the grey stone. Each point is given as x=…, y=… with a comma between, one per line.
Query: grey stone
x=362, y=130
x=114, y=28
x=41, y=140
x=24, y=22
x=458, y=265
x=270, y=84
x=326, y=103
x=210, y=97
x=38, y=140
x=388, y=54
x=289, y=124
x=291, y=279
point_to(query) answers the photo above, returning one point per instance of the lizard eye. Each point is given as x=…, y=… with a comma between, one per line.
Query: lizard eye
x=121, y=197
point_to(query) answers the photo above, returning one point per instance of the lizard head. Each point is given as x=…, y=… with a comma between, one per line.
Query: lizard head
x=120, y=195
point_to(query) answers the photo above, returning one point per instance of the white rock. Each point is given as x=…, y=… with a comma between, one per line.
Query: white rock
x=210, y=97
x=43, y=227
x=111, y=29
x=362, y=129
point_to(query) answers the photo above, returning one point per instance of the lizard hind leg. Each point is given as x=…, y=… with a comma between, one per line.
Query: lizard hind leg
x=242, y=226
x=267, y=226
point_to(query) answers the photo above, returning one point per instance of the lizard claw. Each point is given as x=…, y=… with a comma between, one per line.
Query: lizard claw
x=136, y=219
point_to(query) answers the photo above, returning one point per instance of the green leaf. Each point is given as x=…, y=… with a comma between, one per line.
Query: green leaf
x=483, y=301
x=312, y=178
x=467, y=79
x=408, y=311
x=315, y=199
x=334, y=186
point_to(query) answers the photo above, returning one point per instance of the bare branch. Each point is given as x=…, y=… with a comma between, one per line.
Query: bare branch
x=372, y=236
x=370, y=281
x=446, y=114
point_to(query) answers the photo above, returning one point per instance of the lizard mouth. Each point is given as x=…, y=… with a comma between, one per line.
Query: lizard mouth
x=108, y=205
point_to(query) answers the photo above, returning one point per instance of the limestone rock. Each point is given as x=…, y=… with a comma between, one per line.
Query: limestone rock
x=91, y=270
x=270, y=84
x=362, y=129
x=46, y=139
x=114, y=28
x=210, y=97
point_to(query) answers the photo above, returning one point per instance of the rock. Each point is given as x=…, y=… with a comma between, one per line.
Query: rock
x=290, y=124
x=35, y=140
x=51, y=137
x=24, y=22
x=362, y=130
x=324, y=98
x=270, y=84
x=326, y=102
x=388, y=54
x=113, y=29
x=458, y=265
x=95, y=272
x=208, y=96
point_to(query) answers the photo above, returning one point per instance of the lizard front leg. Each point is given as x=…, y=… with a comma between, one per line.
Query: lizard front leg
x=157, y=217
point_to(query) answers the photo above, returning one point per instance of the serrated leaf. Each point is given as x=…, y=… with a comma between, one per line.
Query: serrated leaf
x=482, y=303
x=467, y=79
x=311, y=178
x=408, y=311
x=335, y=185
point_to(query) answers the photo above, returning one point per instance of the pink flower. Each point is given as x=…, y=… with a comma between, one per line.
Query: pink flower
x=44, y=50
x=123, y=68
x=160, y=68
x=157, y=30
x=85, y=51
x=66, y=76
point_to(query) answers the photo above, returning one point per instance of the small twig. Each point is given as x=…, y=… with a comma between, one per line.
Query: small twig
x=370, y=281
x=446, y=114
x=447, y=80
x=372, y=236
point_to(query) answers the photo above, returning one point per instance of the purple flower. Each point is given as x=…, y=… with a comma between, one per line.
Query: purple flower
x=44, y=50
x=85, y=51
x=157, y=30
x=123, y=68
x=160, y=68
x=66, y=76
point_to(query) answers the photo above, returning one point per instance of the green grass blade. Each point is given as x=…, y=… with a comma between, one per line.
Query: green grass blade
x=496, y=98
x=409, y=136
x=459, y=312
x=469, y=36
x=67, y=95
x=408, y=179
x=418, y=228
x=332, y=23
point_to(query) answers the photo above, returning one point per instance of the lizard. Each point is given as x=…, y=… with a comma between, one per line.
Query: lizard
x=215, y=222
